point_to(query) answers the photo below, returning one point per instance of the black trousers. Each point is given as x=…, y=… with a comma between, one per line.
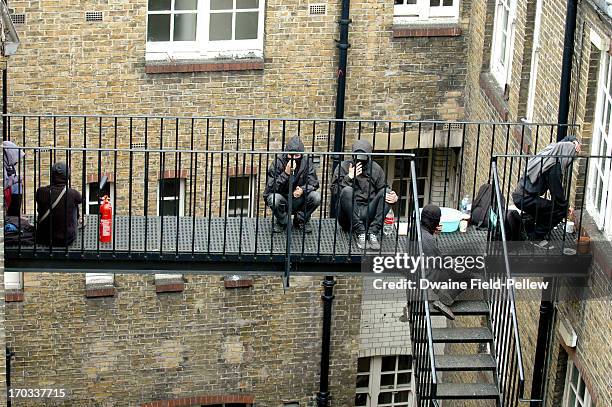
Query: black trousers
x=302, y=207
x=360, y=215
x=545, y=213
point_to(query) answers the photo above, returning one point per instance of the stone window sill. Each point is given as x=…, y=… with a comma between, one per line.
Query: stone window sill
x=495, y=95
x=237, y=282
x=13, y=295
x=172, y=286
x=161, y=67
x=203, y=401
x=426, y=30
x=97, y=291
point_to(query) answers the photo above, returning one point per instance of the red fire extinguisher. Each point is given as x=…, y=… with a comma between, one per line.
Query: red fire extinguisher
x=106, y=220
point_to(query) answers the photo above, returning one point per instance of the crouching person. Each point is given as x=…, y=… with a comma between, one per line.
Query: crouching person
x=295, y=169
x=363, y=196
x=58, y=209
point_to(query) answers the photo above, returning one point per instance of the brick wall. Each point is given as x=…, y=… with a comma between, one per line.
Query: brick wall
x=140, y=346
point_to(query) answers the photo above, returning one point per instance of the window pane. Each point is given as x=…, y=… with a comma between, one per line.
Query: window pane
x=169, y=208
x=399, y=2
x=93, y=209
x=220, y=27
x=247, y=3
x=574, y=376
x=159, y=27
x=401, y=396
x=170, y=187
x=434, y=3
x=221, y=4
x=387, y=380
x=384, y=398
x=185, y=27
x=156, y=5
x=239, y=207
x=239, y=186
x=363, y=381
x=363, y=365
x=361, y=399
x=403, y=378
x=246, y=25
x=186, y=4
x=447, y=3
x=572, y=398
x=405, y=362
x=388, y=364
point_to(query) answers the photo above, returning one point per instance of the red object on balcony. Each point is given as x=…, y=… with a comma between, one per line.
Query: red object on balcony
x=106, y=220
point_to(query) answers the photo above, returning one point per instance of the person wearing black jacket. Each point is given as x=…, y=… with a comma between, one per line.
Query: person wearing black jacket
x=295, y=169
x=544, y=174
x=360, y=187
x=57, y=207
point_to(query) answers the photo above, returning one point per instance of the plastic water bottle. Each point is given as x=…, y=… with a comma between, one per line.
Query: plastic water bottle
x=389, y=223
x=465, y=205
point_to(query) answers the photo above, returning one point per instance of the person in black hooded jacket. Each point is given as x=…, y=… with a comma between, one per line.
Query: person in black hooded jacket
x=296, y=169
x=58, y=227
x=360, y=187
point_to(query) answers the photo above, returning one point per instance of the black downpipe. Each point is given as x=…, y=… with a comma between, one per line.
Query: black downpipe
x=328, y=298
x=566, y=72
x=4, y=97
x=9, y=356
x=343, y=46
x=542, y=345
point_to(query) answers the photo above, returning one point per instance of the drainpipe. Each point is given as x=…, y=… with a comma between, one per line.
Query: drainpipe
x=343, y=46
x=566, y=72
x=4, y=96
x=9, y=356
x=542, y=348
x=328, y=298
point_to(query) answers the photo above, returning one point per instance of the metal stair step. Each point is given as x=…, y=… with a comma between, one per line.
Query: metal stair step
x=466, y=308
x=461, y=335
x=464, y=391
x=480, y=362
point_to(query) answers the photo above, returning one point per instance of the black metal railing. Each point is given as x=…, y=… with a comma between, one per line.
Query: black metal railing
x=503, y=321
x=420, y=317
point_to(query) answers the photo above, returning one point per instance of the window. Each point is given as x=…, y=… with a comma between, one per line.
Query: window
x=192, y=29
x=406, y=11
x=398, y=176
x=503, y=38
x=93, y=193
x=384, y=381
x=239, y=196
x=171, y=197
x=576, y=393
x=13, y=281
x=599, y=202
x=535, y=56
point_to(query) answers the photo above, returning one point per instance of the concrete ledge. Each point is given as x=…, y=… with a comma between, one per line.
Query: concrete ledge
x=171, y=286
x=202, y=400
x=495, y=95
x=160, y=67
x=237, y=282
x=96, y=291
x=13, y=296
x=408, y=31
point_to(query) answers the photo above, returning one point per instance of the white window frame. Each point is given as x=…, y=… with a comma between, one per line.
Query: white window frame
x=249, y=197
x=91, y=200
x=502, y=71
x=202, y=47
x=374, y=388
x=181, y=197
x=575, y=389
x=13, y=280
x=535, y=59
x=423, y=11
x=601, y=169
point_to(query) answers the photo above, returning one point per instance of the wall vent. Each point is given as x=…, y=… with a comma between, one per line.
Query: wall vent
x=321, y=137
x=317, y=9
x=93, y=16
x=138, y=146
x=18, y=18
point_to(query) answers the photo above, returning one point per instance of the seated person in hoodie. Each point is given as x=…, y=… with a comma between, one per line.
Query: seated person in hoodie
x=58, y=209
x=363, y=196
x=545, y=173
x=13, y=188
x=295, y=169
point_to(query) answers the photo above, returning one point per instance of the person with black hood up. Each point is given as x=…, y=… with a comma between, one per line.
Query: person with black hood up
x=360, y=187
x=296, y=169
x=57, y=207
x=545, y=174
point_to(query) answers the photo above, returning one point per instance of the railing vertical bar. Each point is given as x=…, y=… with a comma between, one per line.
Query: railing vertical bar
x=207, y=210
x=99, y=167
x=476, y=161
x=433, y=159
x=191, y=179
x=257, y=179
x=84, y=183
x=114, y=186
x=463, y=132
x=447, y=158
x=177, y=169
x=160, y=187
x=194, y=200
x=130, y=188
x=324, y=187
x=212, y=166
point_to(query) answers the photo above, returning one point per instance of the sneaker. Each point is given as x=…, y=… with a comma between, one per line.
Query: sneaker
x=306, y=227
x=543, y=244
x=443, y=309
x=279, y=227
x=373, y=242
x=361, y=240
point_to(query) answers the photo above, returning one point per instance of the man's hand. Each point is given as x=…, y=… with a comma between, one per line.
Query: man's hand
x=570, y=212
x=391, y=197
x=290, y=167
x=354, y=171
x=298, y=192
x=438, y=230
